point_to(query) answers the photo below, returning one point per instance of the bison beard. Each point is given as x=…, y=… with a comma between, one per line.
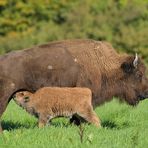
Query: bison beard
x=71, y=63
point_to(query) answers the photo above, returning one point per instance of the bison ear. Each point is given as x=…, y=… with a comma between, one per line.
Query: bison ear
x=130, y=64
x=127, y=67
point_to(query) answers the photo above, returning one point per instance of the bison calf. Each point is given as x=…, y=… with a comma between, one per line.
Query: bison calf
x=51, y=102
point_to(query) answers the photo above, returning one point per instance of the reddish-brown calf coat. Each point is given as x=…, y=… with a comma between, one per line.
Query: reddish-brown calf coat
x=51, y=102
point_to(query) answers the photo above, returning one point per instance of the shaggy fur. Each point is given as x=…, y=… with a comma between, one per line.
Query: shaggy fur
x=85, y=63
x=51, y=102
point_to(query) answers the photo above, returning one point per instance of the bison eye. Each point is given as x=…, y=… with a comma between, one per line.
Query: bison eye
x=139, y=75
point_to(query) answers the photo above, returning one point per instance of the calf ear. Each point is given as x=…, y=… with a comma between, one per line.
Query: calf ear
x=21, y=94
x=127, y=67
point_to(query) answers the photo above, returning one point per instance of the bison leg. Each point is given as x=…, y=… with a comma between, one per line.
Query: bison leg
x=3, y=104
x=90, y=116
x=7, y=88
x=0, y=128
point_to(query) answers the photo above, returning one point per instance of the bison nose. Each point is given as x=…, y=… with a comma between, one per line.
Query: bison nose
x=146, y=93
x=141, y=97
x=144, y=96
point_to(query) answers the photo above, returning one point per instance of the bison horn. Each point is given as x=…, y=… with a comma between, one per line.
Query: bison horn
x=135, y=63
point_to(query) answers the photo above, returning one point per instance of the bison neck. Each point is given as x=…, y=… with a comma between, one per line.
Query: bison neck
x=111, y=86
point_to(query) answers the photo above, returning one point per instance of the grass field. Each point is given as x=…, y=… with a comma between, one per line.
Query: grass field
x=122, y=127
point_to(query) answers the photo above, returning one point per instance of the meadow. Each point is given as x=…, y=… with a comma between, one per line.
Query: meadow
x=122, y=126
x=123, y=23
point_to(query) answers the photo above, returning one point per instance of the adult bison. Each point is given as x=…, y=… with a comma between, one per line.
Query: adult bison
x=86, y=63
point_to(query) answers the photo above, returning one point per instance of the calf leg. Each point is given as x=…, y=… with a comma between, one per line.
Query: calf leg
x=42, y=121
x=75, y=119
x=89, y=115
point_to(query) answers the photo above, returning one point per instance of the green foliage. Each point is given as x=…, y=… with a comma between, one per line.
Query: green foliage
x=122, y=126
x=24, y=23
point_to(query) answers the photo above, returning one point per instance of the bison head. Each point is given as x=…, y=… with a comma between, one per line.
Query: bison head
x=134, y=81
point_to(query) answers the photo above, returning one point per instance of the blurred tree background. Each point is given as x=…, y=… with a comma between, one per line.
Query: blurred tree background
x=124, y=23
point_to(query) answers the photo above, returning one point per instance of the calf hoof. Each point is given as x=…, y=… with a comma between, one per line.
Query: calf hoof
x=98, y=125
x=41, y=124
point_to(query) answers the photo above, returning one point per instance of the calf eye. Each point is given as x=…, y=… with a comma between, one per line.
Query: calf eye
x=26, y=99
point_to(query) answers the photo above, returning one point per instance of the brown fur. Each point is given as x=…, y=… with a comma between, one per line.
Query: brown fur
x=85, y=63
x=51, y=102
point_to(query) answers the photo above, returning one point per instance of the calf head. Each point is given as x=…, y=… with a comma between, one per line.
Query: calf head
x=22, y=98
x=134, y=81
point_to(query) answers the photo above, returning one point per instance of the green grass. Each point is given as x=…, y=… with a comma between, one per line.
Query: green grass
x=122, y=127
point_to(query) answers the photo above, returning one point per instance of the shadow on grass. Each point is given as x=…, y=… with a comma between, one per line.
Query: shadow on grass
x=9, y=125
x=109, y=124
x=113, y=125
x=60, y=124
